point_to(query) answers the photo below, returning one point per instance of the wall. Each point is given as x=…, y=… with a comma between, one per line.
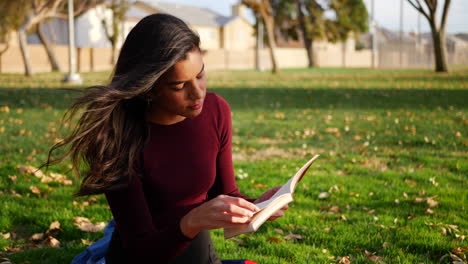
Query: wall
x=88, y=59
x=238, y=35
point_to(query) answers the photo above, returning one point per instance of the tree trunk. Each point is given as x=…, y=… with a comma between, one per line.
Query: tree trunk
x=269, y=23
x=440, y=50
x=308, y=42
x=7, y=46
x=48, y=47
x=25, y=51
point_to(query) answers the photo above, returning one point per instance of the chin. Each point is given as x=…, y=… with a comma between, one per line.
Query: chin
x=192, y=114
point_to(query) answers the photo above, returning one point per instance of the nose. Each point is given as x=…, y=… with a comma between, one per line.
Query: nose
x=198, y=91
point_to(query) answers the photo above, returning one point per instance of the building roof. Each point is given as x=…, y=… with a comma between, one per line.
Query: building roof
x=193, y=15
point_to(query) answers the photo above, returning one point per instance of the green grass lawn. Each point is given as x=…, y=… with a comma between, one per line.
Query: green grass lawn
x=392, y=173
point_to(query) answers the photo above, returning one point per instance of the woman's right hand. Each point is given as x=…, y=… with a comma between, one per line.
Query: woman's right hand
x=222, y=211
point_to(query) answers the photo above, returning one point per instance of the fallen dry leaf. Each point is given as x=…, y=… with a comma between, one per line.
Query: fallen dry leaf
x=54, y=225
x=36, y=237
x=334, y=209
x=13, y=177
x=35, y=190
x=292, y=236
x=332, y=130
x=259, y=185
x=279, y=231
x=6, y=235
x=371, y=256
x=87, y=242
x=274, y=240
x=31, y=170
x=5, y=261
x=52, y=242
x=431, y=202
x=85, y=224
x=344, y=260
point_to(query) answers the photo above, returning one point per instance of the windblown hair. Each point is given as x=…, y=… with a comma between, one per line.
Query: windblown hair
x=112, y=130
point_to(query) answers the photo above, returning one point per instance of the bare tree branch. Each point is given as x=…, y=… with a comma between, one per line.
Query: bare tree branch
x=417, y=6
x=444, y=14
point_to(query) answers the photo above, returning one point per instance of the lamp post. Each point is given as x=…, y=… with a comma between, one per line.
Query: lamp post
x=373, y=35
x=72, y=76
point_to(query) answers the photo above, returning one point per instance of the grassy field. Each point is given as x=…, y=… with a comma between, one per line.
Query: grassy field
x=390, y=186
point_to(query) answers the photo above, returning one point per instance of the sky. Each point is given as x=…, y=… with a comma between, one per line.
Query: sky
x=387, y=13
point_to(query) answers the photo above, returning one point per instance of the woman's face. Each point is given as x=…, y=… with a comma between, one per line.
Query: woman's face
x=180, y=92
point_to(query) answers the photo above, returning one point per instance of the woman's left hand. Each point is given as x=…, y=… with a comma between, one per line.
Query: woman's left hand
x=267, y=195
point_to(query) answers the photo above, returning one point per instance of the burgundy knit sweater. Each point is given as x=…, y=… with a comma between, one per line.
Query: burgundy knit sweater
x=182, y=166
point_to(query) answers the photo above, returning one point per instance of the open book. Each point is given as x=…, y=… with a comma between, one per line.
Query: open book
x=267, y=208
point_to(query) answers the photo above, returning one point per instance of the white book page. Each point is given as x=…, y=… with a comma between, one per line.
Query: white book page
x=290, y=185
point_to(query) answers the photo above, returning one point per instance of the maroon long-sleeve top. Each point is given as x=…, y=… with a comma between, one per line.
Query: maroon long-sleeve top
x=182, y=166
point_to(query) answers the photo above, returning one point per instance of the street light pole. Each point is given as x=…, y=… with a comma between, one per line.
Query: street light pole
x=373, y=34
x=72, y=76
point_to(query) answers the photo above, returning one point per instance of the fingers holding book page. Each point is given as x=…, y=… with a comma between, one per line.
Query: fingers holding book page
x=266, y=196
x=222, y=211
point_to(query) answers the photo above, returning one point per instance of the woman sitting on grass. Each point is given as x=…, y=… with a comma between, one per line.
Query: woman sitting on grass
x=159, y=147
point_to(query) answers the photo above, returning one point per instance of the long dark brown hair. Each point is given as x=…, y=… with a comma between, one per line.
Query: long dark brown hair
x=111, y=130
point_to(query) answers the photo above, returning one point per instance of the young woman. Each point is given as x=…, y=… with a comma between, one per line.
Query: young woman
x=158, y=145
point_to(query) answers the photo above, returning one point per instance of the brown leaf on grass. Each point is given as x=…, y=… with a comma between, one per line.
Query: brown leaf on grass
x=342, y=217
x=5, y=261
x=429, y=211
x=292, y=236
x=30, y=170
x=431, y=202
x=279, y=231
x=52, y=242
x=85, y=224
x=419, y=200
x=87, y=242
x=35, y=190
x=334, y=209
x=332, y=130
x=13, y=177
x=6, y=235
x=259, y=185
x=37, y=237
x=411, y=183
x=5, y=109
x=13, y=192
x=460, y=251
x=54, y=225
x=344, y=260
x=54, y=229
x=274, y=240
x=371, y=256
x=56, y=177
x=455, y=259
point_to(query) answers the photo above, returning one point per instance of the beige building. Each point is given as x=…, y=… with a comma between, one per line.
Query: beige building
x=215, y=30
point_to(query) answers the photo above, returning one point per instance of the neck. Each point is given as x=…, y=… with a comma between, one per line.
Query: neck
x=154, y=116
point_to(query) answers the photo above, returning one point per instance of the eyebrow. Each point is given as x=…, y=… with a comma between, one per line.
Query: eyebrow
x=179, y=82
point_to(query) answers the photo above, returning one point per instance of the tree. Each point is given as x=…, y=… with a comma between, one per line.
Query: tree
x=119, y=8
x=10, y=20
x=48, y=47
x=308, y=18
x=437, y=30
x=30, y=13
x=264, y=10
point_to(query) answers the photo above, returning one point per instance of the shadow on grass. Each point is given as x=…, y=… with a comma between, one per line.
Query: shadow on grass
x=286, y=98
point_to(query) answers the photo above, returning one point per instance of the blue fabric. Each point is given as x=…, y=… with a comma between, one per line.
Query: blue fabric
x=95, y=253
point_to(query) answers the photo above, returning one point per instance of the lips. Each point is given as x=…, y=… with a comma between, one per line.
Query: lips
x=196, y=106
